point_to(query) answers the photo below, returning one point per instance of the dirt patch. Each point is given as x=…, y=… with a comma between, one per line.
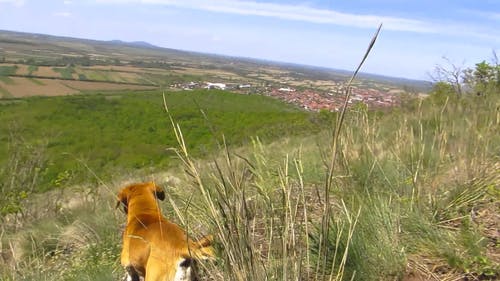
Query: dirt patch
x=46, y=71
x=129, y=77
x=24, y=87
x=22, y=69
x=414, y=277
x=18, y=87
x=4, y=93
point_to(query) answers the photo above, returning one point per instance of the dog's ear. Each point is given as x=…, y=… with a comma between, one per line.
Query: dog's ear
x=160, y=195
x=158, y=192
x=122, y=200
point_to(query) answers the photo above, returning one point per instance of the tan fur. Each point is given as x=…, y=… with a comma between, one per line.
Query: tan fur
x=152, y=245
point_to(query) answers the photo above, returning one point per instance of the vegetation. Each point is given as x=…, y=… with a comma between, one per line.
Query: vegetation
x=31, y=69
x=6, y=70
x=414, y=190
x=66, y=72
x=484, y=78
x=124, y=131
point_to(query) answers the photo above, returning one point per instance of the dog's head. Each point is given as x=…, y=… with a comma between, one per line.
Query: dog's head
x=138, y=189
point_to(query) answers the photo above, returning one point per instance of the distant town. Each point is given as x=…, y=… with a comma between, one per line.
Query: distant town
x=308, y=99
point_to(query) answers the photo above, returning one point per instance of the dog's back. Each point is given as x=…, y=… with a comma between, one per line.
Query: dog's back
x=154, y=247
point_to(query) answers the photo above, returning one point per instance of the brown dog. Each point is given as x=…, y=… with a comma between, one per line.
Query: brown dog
x=153, y=247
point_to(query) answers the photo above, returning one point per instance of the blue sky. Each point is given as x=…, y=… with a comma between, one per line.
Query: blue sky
x=331, y=33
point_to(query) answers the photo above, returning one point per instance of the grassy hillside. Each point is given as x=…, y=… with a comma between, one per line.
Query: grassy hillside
x=414, y=193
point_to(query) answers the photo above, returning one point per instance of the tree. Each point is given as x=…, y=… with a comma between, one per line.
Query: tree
x=484, y=72
x=483, y=78
x=441, y=92
x=450, y=73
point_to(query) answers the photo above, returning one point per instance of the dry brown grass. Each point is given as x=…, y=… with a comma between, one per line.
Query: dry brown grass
x=22, y=69
x=46, y=71
x=24, y=87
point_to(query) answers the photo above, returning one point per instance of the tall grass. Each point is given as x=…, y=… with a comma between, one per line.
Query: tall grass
x=263, y=226
x=409, y=186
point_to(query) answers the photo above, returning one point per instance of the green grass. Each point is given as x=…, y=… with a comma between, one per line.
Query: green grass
x=6, y=70
x=65, y=72
x=167, y=79
x=98, y=75
x=6, y=80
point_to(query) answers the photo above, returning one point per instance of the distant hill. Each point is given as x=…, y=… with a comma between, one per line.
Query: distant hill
x=139, y=44
x=419, y=84
x=20, y=46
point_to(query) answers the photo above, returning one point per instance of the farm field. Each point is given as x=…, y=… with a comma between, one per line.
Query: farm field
x=99, y=61
x=18, y=87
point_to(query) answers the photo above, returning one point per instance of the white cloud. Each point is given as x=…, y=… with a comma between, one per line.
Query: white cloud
x=62, y=14
x=289, y=12
x=17, y=3
x=67, y=2
x=323, y=16
x=495, y=16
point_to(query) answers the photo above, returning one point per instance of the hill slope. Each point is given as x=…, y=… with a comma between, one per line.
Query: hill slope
x=414, y=196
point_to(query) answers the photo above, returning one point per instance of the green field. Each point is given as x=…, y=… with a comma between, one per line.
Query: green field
x=7, y=70
x=65, y=72
x=124, y=131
